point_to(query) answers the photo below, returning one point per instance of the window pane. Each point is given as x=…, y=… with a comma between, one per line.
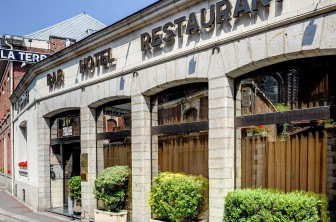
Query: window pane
x=173, y=150
x=64, y=125
x=182, y=106
x=184, y=153
x=117, y=154
x=114, y=150
x=114, y=118
x=289, y=156
x=288, y=86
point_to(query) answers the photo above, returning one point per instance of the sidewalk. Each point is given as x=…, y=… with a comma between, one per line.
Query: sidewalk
x=12, y=207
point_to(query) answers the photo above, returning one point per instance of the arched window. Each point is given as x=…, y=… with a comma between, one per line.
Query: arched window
x=114, y=134
x=180, y=130
x=286, y=127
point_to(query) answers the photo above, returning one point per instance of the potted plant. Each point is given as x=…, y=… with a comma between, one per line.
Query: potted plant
x=177, y=197
x=260, y=130
x=284, y=133
x=328, y=123
x=75, y=193
x=23, y=165
x=282, y=107
x=111, y=189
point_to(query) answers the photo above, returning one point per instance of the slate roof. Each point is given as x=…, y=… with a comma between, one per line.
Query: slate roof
x=77, y=28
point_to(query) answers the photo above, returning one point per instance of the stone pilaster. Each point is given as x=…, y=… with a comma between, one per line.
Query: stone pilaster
x=88, y=145
x=141, y=155
x=221, y=137
x=43, y=170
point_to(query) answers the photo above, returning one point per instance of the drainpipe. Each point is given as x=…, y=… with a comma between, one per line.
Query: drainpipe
x=11, y=117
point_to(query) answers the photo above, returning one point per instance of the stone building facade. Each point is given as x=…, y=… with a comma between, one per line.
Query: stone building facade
x=19, y=69
x=171, y=76
x=18, y=54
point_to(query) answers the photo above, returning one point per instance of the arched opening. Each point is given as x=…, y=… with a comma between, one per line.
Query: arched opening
x=65, y=150
x=180, y=130
x=285, y=131
x=114, y=136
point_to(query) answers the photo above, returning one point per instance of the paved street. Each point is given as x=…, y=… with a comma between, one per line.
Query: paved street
x=7, y=219
x=13, y=210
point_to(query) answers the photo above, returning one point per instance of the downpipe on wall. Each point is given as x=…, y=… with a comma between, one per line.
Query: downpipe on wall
x=11, y=117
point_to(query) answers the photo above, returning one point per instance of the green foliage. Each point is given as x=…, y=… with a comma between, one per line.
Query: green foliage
x=176, y=197
x=284, y=133
x=282, y=107
x=328, y=121
x=264, y=205
x=75, y=188
x=324, y=208
x=111, y=187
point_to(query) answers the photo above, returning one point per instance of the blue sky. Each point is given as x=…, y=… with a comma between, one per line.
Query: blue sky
x=21, y=17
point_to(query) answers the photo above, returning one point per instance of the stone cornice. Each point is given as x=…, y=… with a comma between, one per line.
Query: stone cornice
x=137, y=20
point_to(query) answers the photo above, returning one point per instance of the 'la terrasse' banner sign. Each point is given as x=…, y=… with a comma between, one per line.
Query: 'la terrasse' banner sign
x=21, y=56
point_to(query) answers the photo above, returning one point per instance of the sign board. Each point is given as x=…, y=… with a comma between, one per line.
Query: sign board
x=103, y=58
x=21, y=56
x=218, y=13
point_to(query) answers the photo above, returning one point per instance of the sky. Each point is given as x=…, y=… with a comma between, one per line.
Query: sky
x=22, y=17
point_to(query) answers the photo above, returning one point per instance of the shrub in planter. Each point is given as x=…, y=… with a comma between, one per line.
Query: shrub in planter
x=111, y=187
x=266, y=205
x=75, y=193
x=177, y=197
x=75, y=188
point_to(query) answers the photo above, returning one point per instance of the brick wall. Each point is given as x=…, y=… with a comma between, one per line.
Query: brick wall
x=57, y=44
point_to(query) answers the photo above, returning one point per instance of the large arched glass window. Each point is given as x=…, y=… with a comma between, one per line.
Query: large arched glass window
x=180, y=130
x=114, y=134
x=286, y=127
x=65, y=150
